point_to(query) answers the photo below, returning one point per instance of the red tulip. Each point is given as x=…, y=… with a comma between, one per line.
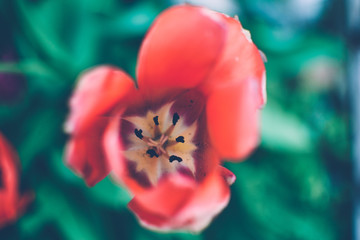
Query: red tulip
x=11, y=203
x=200, y=85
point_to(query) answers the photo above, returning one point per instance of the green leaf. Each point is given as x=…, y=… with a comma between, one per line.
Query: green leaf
x=282, y=131
x=53, y=206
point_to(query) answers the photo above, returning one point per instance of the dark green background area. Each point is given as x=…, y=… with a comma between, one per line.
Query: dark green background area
x=296, y=185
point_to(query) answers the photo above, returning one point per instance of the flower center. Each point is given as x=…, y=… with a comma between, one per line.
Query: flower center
x=161, y=143
x=158, y=144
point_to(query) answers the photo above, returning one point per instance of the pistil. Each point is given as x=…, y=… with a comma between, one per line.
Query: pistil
x=157, y=147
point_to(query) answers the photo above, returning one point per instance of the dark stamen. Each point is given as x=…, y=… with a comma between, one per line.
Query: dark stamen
x=138, y=133
x=180, y=139
x=156, y=120
x=175, y=118
x=152, y=153
x=173, y=158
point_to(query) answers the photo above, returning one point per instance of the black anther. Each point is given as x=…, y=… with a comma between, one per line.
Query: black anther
x=175, y=118
x=152, y=153
x=173, y=158
x=138, y=133
x=156, y=120
x=180, y=139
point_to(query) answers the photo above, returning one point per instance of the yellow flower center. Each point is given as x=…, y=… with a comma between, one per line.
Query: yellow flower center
x=161, y=143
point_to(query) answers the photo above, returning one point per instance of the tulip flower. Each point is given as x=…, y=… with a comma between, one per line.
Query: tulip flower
x=11, y=203
x=200, y=84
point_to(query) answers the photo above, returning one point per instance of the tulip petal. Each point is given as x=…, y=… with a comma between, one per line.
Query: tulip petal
x=209, y=199
x=114, y=150
x=180, y=49
x=84, y=153
x=240, y=60
x=227, y=175
x=167, y=197
x=190, y=105
x=194, y=214
x=97, y=91
x=9, y=183
x=11, y=203
x=232, y=117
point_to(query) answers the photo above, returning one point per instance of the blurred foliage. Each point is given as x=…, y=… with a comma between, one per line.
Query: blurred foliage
x=297, y=185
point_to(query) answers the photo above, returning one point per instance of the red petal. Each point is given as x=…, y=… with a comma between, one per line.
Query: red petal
x=113, y=147
x=8, y=183
x=167, y=197
x=190, y=105
x=227, y=175
x=147, y=218
x=240, y=60
x=193, y=214
x=84, y=153
x=11, y=204
x=97, y=91
x=180, y=49
x=209, y=199
x=232, y=118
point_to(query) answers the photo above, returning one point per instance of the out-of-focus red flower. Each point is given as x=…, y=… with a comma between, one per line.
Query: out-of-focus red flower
x=201, y=81
x=11, y=203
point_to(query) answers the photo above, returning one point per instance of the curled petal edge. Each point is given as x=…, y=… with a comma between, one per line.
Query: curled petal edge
x=97, y=91
x=207, y=200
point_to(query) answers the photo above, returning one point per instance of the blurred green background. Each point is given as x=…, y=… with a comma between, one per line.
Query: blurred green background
x=296, y=185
